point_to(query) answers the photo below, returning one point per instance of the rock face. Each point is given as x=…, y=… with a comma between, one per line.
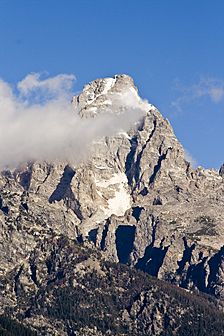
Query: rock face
x=136, y=198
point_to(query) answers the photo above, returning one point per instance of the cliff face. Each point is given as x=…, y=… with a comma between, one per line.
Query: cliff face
x=136, y=198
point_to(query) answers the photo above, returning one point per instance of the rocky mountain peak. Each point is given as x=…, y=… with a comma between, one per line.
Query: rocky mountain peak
x=100, y=95
x=135, y=198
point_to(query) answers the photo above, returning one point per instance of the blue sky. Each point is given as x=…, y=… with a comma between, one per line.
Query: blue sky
x=173, y=49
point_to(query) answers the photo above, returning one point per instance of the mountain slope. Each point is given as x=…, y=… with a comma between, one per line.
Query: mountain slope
x=133, y=196
x=80, y=293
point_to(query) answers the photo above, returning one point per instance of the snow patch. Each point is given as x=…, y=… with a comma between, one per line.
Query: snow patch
x=120, y=203
x=115, y=179
x=121, y=200
x=109, y=83
x=125, y=134
x=101, y=167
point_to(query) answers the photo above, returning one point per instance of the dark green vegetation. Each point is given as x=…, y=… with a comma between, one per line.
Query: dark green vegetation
x=9, y=327
x=83, y=290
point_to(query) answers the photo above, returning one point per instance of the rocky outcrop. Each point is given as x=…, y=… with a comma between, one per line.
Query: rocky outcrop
x=66, y=288
x=135, y=198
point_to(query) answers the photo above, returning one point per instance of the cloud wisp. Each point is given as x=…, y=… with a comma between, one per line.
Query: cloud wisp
x=190, y=158
x=209, y=87
x=38, y=121
x=54, y=86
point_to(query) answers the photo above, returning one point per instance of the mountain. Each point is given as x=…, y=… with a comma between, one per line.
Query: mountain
x=132, y=199
x=80, y=293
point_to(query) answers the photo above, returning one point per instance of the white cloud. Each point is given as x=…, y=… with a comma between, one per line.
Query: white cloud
x=190, y=158
x=210, y=87
x=54, y=85
x=50, y=129
x=216, y=94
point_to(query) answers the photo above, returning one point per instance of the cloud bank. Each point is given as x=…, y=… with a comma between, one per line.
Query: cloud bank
x=38, y=121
